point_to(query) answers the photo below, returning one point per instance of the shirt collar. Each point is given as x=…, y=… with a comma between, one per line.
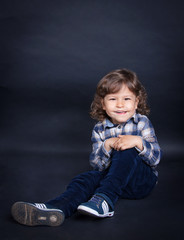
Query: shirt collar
x=135, y=118
x=108, y=124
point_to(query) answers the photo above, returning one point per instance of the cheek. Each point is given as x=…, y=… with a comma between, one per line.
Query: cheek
x=133, y=106
x=105, y=105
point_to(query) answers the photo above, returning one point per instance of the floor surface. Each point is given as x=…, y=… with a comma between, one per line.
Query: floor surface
x=40, y=177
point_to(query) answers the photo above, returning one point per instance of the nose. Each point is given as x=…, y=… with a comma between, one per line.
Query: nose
x=120, y=103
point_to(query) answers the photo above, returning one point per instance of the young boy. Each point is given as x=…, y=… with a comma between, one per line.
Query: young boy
x=124, y=156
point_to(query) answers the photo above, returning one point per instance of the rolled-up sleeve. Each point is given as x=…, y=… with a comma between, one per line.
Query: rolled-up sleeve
x=151, y=152
x=99, y=158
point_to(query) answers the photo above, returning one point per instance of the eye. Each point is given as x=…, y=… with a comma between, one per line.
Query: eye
x=127, y=98
x=112, y=99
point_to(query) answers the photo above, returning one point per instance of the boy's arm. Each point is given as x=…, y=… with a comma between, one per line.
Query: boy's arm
x=151, y=152
x=146, y=143
x=100, y=155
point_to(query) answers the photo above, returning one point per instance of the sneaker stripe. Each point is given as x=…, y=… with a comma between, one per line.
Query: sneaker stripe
x=40, y=205
x=105, y=207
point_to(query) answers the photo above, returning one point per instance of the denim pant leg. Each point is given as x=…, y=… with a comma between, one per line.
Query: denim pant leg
x=80, y=189
x=126, y=173
x=141, y=183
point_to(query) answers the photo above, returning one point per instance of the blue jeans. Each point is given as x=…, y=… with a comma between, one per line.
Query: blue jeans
x=127, y=177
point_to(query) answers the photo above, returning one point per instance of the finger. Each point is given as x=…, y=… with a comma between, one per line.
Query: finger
x=118, y=146
x=115, y=143
x=120, y=136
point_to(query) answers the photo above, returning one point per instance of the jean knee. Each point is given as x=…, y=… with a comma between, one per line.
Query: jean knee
x=130, y=153
x=88, y=178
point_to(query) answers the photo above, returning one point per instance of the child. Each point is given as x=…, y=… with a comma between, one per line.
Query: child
x=124, y=156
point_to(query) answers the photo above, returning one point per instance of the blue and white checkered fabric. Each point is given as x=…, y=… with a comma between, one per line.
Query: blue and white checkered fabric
x=138, y=125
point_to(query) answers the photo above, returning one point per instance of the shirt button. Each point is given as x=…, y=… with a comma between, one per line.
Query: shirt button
x=119, y=126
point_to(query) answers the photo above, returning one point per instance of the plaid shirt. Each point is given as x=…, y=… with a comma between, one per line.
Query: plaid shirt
x=138, y=125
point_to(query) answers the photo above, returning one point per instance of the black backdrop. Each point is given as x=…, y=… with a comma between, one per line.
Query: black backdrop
x=53, y=53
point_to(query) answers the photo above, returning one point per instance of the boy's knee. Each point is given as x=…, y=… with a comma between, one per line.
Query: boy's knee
x=88, y=176
x=132, y=152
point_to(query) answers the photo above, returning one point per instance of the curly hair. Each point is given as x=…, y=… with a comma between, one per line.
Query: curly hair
x=112, y=83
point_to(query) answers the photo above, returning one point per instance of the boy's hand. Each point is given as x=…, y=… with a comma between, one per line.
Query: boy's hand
x=127, y=141
x=109, y=143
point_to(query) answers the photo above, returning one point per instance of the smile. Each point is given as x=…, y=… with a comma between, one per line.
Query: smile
x=120, y=112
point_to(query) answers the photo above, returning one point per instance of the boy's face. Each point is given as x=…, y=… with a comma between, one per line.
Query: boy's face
x=120, y=106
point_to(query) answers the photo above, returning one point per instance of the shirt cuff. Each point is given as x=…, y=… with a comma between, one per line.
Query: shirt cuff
x=107, y=154
x=143, y=152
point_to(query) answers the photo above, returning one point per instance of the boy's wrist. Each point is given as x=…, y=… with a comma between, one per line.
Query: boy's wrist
x=139, y=143
x=109, y=144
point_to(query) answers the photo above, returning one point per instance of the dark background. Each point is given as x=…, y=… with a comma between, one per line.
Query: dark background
x=53, y=53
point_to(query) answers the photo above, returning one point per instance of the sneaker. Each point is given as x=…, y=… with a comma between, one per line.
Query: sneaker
x=33, y=214
x=97, y=206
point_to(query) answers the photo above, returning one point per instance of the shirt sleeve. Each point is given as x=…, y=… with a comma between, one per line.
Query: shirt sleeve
x=99, y=158
x=151, y=152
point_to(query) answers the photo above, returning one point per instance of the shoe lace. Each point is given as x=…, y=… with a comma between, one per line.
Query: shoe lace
x=97, y=200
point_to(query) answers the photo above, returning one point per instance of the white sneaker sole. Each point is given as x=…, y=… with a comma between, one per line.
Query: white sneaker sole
x=91, y=212
x=28, y=214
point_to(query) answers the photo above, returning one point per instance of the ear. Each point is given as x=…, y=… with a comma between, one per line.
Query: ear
x=136, y=102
